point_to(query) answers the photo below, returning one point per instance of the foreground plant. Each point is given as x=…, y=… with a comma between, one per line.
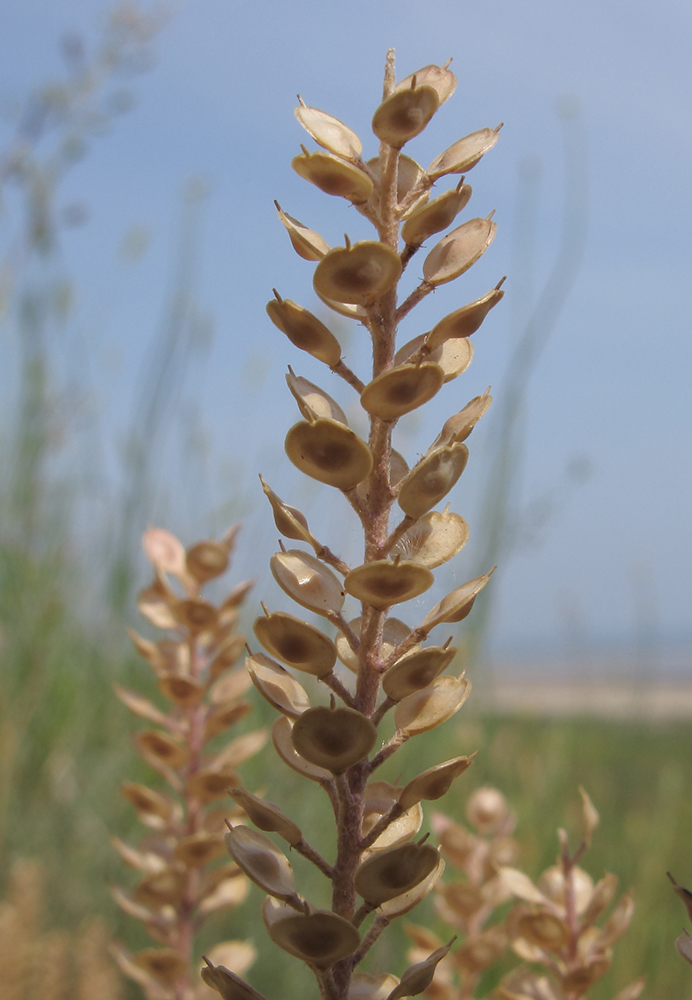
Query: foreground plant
x=379, y=871
x=179, y=885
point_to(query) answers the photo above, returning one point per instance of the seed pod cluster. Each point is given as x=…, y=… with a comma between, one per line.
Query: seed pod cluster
x=184, y=874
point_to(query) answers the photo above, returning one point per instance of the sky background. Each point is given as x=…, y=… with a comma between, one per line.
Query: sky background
x=600, y=561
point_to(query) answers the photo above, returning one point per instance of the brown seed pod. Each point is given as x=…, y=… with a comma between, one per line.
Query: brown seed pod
x=358, y=274
x=460, y=425
x=329, y=452
x=426, y=709
x=402, y=389
x=195, y=614
x=312, y=401
x=305, y=330
x=358, y=313
x=431, y=479
x=306, y=242
x=441, y=79
x=198, y=849
x=435, y=216
x=206, y=560
x=380, y=797
x=263, y=863
x=307, y=581
x=410, y=176
x=435, y=782
x=395, y=631
x=404, y=903
x=457, y=605
x=290, y=521
x=416, y=670
x=161, y=888
x=319, y=938
x=164, y=964
x=277, y=686
x=453, y=357
x=544, y=929
x=211, y=782
x=281, y=738
x=418, y=978
x=393, y=871
x=329, y=132
x=458, y=251
x=334, y=738
x=465, y=321
x=334, y=176
x=267, y=816
x=404, y=114
x=383, y=583
x=227, y=983
x=487, y=810
x=463, y=154
x=297, y=643
x=184, y=691
x=434, y=539
x=155, y=809
x=158, y=748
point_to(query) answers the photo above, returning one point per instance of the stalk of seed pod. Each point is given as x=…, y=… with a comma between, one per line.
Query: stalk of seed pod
x=183, y=872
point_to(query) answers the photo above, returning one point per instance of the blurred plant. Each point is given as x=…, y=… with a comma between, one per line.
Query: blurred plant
x=684, y=942
x=179, y=885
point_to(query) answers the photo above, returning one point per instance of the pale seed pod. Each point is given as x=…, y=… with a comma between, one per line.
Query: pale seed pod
x=357, y=313
x=155, y=603
x=211, y=782
x=395, y=632
x=416, y=670
x=306, y=242
x=277, y=686
x=592, y=969
x=161, y=888
x=227, y=983
x=464, y=153
x=431, y=479
x=281, y=738
x=465, y=321
x=164, y=551
x=159, y=748
x=426, y=709
x=406, y=902
x=382, y=583
x=380, y=797
x=267, y=816
x=297, y=643
x=590, y=817
x=147, y=862
x=434, y=539
x=263, y=863
x=329, y=132
x=222, y=717
x=552, y=883
x=195, y=614
x=184, y=691
x=404, y=114
x=304, y=330
x=487, y=810
x=155, y=809
x=141, y=707
x=393, y=871
x=402, y=389
x=603, y=895
x=334, y=176
x=238, y=955
x=520, y=885
x=312, y=401
x=441, y=79
x=230, y=686
x=453, y=357
x=147, y=649
x=544, y=929
x=329, y=452
x=290, y=521
x=307, y=581
x=333, y=738
x=206, y=560
x=526, y=984
x=478, y=953
x=618, y=922
x=410, y=176
x=358, y=274
x=435, y=782
x=365, y=986
x=227, y=894
x=319, y=938
x=458, y=251
x=457, y=605
x=435, y=216
x=460, y=425
x=198, y=849
x=463, y=900
x=166, y=965
x=418, y=978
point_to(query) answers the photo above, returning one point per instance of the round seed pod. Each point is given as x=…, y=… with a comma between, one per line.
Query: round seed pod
x=453, y=357
x=304, y=330
x=487, y=810
x=307, y=581
x=312, y=401
x=277, y=686
x=464, y=154
x=435, y=782
x=395, y=631
x=552, y=883
x=164, y=551
x=161, y=888
x=404, y=114
x=441, y=79
x=434, y=539
x=158, y=748
x=329, y=452
x=391, y=872
x=263, y=862
x=380, y=796
x=457, y=605
x=383, y=583
x=334, y=176
x=357, y=274
x=206, y=560
x=329, y=132
x=297, y=643
x=426, y=709
x=281, y=738
x=435, y=216
x=400, y=390
x=543, y=929
x=290, y=521
x=267, y=816
x=227, y=983
x=306, y=242
x=198, y=849
x=195, y=614
x=416, y=670
x=358, y=313
x=465, y=321
x=184, y=691
x=418, y=978
x=155, y=809
x=164, y=964
x=365, y=986
x=432, y=478
x=319, y=938
x=404, y=903
x=460, y=425
x=458, y=251
x=333, y=738
x=211, y=782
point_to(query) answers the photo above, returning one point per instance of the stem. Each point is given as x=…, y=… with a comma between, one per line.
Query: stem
x=348, y=376
x=312, y=855
x=416, y=296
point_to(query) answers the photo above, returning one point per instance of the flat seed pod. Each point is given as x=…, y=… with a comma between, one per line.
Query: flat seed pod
x=228, y=984
x=263, y=862
x=435, y=216
x=329, y=132
x=465, y=321
x=434, y=539
x=157, y=748
x=418, y=977
x=357, y=274
x=380, y=796
x=267, y=816
x=155, y=809
x=227, y=894
x=404, y=114
x=319, y=938
x=464, y=154
x=458, y=251
x=161, y=888
x=222, y=717
x=431, y=479
x=333, y=738
x=196, y=614
x=206, y=560
x=391, y=872
x=334, y=176
x=435, y=782
x=146, y=862
x=156, y=603
x=441, y=79
x=141, y=707
x=329, y=452
x=400, y=390
x=304, y=330
x=404, y=903
x=312, y=401
x=456, y=606
x=552, y=883
x=297, y=643
x=365, y=986
x=212, y=782
x=198, y=849
x=164, y=551
x=453, y=357
x=395, y=631
x=281, y=738
x=383, y=583
x=410, y=175
x=426, y=709
x=544, y=929
x=290, y=521
x=230, y=687
x=164, y=964
x=460, y=425
x=359, y=313
x=277, y=686
x=306, y=242
x=307, y=581
x=184, y=691
x=416, y=671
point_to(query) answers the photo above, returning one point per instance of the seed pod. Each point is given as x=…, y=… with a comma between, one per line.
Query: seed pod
x=222, y=717
x=402, y=904
x=333, y=176
x=333, y=738
x=460, y=425
x=458, y=251
x=154, y=809
x=263, y=863
x=416, y=670
x=552, y=883
x=464, y=154
x=290, y=521
x=410, y=176
x=395, y=870
x=267, y=816
x=307, y=581
x=329, y=132
x=457, y=605
x=418, y=977
x=618, y=922
x=230, y=687
x=426, y=709
x=304, y=330
x=146, y=862
x=184, y=691
x=603, y=895
x=404, y=114
x=364, y=986
x=398, y=468
x=479, y=953
x=281, y=738
x=141, y=707
x=435, y=216
x=164, y=551
x=206, y=560
x=155, y=603
x=227, y=983
x=441, y=79
x=277, y=686
x=329, y=452
x=487, y=810
x=590, y=970
x=465, y=321
x=400, y=390
x=544, y=929
x=380, y=797
x=358, y=313
x=434, y=539
x=453, y=357
x=161, y=888
x=198, y=849
x=297, y=643
x=312, y=401
x=306, y=242
x=319, y=938
x=164, y=964
x=159, y=748
x=383, y=583
x=395, y=631
x=226, y=894
x=211, y=782
x=431, y=479
x=359, y=273
x=590, y=817
x=195, y=614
